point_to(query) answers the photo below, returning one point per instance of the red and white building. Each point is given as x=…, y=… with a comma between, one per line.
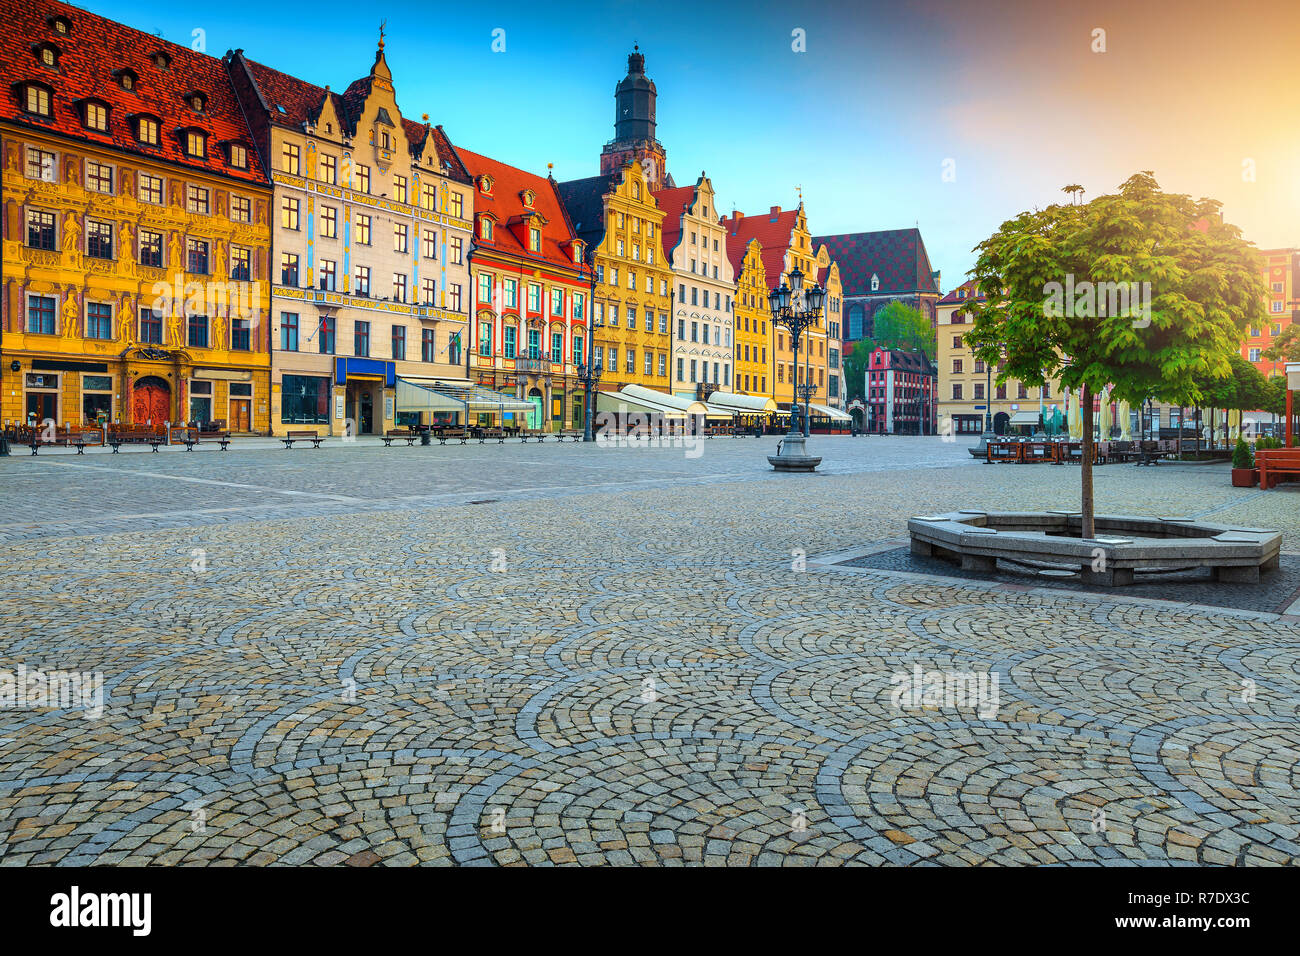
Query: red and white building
x=900, y=393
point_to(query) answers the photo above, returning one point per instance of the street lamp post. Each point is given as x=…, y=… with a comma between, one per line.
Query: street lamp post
x=795, y=309
x=589, y=372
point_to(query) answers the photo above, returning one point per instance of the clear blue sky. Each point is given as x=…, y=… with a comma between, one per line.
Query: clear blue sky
x=1010, y=90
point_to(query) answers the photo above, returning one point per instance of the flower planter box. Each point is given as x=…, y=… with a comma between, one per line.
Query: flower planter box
x=1245, y=477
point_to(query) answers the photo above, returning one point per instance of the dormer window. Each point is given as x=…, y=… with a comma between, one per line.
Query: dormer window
x=875, y=282
x=95, y=115
x=38, y=99
x=162, y=60
x=126, y=79
x=60, y=25
x=196, y=143
x=485, y=185
x=534, y=239
x=147, y=130
x=47, y=54
x=577, y=252
x=237, y=155
x=196, y=101
x=485, y=230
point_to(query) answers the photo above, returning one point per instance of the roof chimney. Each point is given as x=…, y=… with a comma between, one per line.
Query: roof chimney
x=775, y=211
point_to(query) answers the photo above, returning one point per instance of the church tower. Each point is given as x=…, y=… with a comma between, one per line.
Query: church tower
x=634, y=126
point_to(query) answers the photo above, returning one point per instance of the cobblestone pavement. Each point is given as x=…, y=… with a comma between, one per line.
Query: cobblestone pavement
x=562, y=653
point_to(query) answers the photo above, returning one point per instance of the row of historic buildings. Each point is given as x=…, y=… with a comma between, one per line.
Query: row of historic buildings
x=191, y=238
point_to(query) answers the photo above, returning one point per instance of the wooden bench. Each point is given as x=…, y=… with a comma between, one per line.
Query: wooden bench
x=485, y=433
x=527, y=433
x=404, y=433
x=573, y=434
x=291, y=437
x=1276, y=463
x=445, y=433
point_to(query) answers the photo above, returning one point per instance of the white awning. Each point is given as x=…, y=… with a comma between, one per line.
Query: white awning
x=832, y=413
x=744, y=404
x=1024, y=418
x=1293, y=376
x=621, y=403
x=690, y=406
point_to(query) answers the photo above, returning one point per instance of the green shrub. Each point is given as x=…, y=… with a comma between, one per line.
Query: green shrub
x=1242, y=457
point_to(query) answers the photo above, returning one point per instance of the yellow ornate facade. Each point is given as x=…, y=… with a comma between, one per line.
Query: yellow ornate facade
x=136, y=245
x=754, y=355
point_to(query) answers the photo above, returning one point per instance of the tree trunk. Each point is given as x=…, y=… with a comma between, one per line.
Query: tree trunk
x=1085, y=407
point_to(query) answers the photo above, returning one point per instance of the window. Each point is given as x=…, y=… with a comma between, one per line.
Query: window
x=241, y=264
x=151, y=248
x=99, y=239
x=40, y=165
x=534, y=297
x=361, y=339
x=579, y=305
x=37, y=100
x=649, y=321
x=399, y=343
x=534, y=239
x=146, y=130
x=680, y=372
x=241, y=209
x=325, y=336
x=1254, y=355
x=329, y=170
x=399, y=287
x=1021, y=391
x=289, y=331
x=457, y=250
x=428, y=197
x=631, y=361
x=329, y=222
x=96, y=115
x=197, y=331
x=399, y=189
x=453, y=296
x=613, y=315
x=197, y=102
x=557, y=347
x=649, y=363
x=361, y=178
x=453, y=348
x=196, y=256
x=956, y=366
x=485, y=338
x=289, y=212
x=40, y=314
x=289, y=268
x=240, y=335
x=196, y=144
x=1276, y=306
x=428, y=291
x=557, y=302
x=304, y=400
x=429, y=243
x=979, y=390
x=238, y=156
x=327, y=275
x=510, y=293
x=363, y=230
x=363, y=280
x=151, y=327
x=291, y=159
x=196, y=200
x=400, y=238
x=579, y=354
x=99, y=177
x=485, y=229
x=40, y=229
x=428, y=345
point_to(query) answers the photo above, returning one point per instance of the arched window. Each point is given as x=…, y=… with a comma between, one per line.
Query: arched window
x=856, y=317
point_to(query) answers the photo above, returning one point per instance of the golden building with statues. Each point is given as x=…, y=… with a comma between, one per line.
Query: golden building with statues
x=136, y=250
x=753, y=319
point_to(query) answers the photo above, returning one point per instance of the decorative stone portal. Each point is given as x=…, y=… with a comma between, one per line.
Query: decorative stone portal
x=1124, y=545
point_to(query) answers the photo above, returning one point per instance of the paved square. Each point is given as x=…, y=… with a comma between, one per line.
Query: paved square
x=559, y=653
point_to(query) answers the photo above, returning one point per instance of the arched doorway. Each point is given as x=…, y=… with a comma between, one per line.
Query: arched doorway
x=1000, y=422
x=151, y=401
x=535, y=413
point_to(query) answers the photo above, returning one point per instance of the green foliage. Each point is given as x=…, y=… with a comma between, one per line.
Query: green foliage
x=1286, y=347
x=1275, y=396
x=855, y=368
x=899, y=326
x=1205, y=289
x=1242, y=457
x=1244, y=387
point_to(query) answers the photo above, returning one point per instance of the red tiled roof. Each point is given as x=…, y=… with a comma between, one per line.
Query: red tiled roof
x=969, y=287
x=89, y=57
x=507, y=205
x=897, y=257
x=773, y=232
x=674, y=202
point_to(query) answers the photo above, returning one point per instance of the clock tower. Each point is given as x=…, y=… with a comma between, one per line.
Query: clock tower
x=634, y=126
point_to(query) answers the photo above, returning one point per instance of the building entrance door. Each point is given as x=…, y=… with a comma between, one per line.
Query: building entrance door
x=535, y=413
x=151, y=401
x=366, y=424
x=241, y=413
x=42, y=405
